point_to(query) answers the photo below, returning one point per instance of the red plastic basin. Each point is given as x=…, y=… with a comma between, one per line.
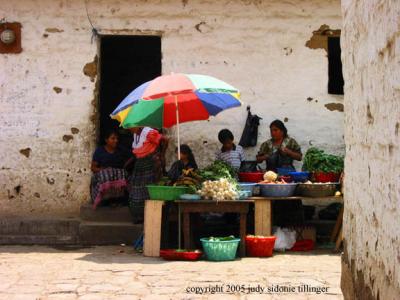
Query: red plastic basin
x=303, y=245
x=251, y=176
x=260, y=246
x=326, y=177
x=172, y=254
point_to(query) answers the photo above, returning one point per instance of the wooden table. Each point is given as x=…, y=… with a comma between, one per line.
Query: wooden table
x=205, y=206
x=262, y=217
x=263, y=213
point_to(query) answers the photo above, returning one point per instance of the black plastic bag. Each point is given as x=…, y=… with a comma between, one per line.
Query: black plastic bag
x=250, y=131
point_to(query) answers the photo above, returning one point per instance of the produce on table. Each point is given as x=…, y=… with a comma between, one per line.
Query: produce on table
x=270, y=176
x=222, y=239
x=219, y=190
x=316, y=160
x=218, y=169
x=189, y=178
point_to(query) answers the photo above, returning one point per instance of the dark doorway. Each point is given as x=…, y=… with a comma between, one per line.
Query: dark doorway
x=125, y=63
x=336, y=82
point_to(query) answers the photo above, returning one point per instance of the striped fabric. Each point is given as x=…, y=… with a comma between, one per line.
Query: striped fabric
x=232, y=157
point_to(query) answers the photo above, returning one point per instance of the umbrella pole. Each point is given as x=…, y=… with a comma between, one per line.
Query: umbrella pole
x=177, y=127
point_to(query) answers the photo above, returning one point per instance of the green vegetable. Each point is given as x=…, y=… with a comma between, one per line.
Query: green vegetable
x=316, y=160
x=217, y=170
x=221, y=239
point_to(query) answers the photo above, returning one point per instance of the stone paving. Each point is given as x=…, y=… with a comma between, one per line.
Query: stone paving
x=117, y=272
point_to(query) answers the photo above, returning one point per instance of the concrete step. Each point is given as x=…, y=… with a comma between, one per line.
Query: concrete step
x=105, y=214
x=108, y=233
x=38, y=226
x=29, y=231
x=21, y=239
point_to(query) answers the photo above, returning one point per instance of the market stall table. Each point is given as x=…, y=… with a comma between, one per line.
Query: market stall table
x=263, y=210
x=240, y=207
x=262, y=217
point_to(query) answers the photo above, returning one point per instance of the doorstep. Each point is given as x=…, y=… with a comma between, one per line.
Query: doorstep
x=103, y=226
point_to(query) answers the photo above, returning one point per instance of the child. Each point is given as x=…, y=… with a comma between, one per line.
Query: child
x=187, y=161
x=230, y=153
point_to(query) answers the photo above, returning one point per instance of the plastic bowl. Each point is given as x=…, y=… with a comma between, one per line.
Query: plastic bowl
x=326, y=177
x=167, y=193
x=277, y=190
x=251, y=176
x=284, y=171
x=173, y=254
x=220, y=250
x=243, y=195
x=247, y=186
x=260, y=246
x=317, y=189
x=299, y=176
x=191, y=197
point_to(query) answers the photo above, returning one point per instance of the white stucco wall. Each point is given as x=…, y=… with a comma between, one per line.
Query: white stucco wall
x=257, y=46
x=371, y=57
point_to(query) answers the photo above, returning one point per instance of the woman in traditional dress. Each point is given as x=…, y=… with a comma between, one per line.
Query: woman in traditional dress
x=148, y=148
x=109, y=179
x=280, y=150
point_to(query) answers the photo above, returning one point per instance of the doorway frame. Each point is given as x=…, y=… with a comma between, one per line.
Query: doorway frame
x=97, y=86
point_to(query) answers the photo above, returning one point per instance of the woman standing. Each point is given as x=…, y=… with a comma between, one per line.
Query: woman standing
x=281, y=150
x=148, y=148
x=109, y=177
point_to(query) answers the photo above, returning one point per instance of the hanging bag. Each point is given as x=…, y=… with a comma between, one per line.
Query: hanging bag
x=250, y=131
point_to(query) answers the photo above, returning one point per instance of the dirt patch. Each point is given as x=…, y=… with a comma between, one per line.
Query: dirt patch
x=90, y=69
x=57, y=89
x=67, y=137
x=370, y=117
x=335, y=107
x=203, y=27
x=26, y=152
x=54, y=30
x=319, y=38
x=74, y=130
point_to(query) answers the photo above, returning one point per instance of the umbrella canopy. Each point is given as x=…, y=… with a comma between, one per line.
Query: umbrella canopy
x=176, y=98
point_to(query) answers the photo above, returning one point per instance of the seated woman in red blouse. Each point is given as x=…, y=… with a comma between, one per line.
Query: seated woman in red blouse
x=109, y=179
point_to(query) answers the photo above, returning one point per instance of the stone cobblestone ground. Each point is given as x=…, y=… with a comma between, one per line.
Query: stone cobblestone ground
x=117, y=272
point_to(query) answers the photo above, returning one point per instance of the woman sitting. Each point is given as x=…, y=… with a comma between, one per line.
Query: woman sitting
x=109, y=179
x=280, y=150
x=230, y=153
x=186, y=162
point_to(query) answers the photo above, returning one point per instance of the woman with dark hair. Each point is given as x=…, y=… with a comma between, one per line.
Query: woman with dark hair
x=280, y=150
x=148, y=150
x=109, y=177
x=186, y=162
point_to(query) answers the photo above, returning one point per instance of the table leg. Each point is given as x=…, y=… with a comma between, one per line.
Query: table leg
x=243, y=221
x=263, y=217
x=179, y=228
x=338, y=225
x=152, y=227
x=186, y=230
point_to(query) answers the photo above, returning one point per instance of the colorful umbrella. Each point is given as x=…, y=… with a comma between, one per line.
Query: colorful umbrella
x=173, y=99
